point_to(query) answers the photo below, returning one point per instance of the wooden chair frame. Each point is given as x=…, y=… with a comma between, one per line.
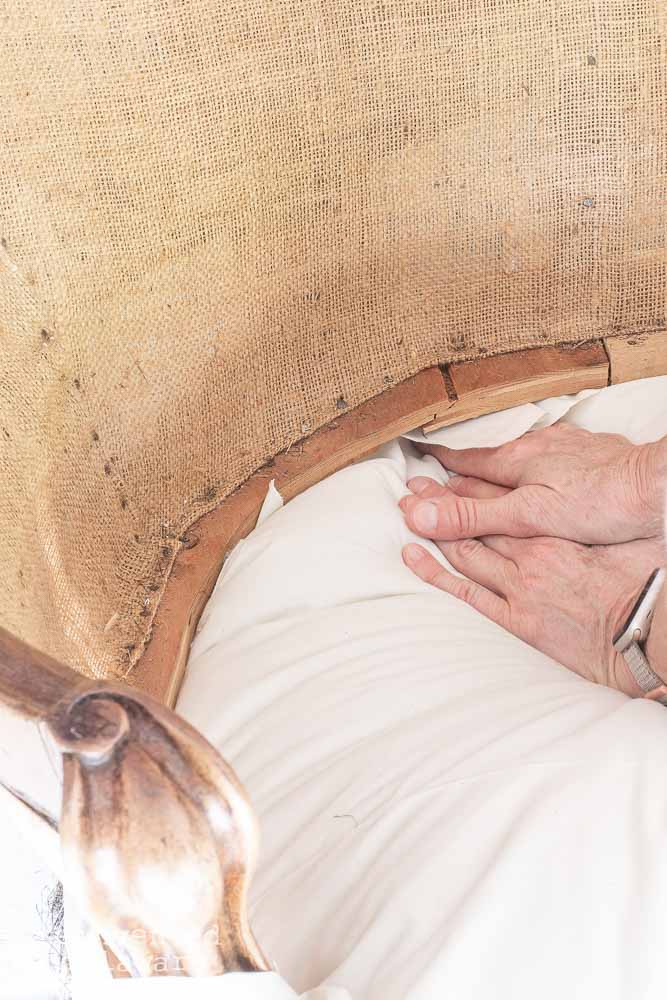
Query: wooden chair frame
x=437, y=397
x=141, y=786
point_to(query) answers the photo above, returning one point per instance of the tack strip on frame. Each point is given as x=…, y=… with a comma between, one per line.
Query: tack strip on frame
x=436, y=397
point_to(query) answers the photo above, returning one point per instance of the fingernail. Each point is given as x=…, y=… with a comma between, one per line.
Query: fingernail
x=413, y=553
x=418, y=484
x=453, y=480
x=403, y=503
x=425, y=516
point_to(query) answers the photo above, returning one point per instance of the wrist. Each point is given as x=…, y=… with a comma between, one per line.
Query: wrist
x=650, y=480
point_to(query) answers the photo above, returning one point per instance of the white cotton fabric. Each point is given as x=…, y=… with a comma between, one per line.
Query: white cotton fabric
x=26, y=858
x=234, y=986
x=29, y=869
x=445, y=812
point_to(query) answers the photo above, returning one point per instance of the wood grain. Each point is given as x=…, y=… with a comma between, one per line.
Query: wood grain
x=418, y=400
x=431, y=399
x=492, y=384
x=103, y=729
x=31, y=682
x=637, y=356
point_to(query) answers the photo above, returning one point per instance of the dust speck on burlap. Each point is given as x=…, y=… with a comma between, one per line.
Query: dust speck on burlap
x=220, y=219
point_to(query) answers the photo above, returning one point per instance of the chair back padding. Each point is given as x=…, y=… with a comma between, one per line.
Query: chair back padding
x=223, y=224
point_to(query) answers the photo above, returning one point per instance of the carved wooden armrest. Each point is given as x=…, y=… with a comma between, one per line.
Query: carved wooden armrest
x=159, y=840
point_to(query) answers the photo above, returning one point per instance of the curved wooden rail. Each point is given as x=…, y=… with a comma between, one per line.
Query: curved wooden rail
x=434, y=398
x=121, y=749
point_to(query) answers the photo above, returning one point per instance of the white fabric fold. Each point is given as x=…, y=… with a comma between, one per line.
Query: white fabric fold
x=444, y=811
x=498, y=428
x=233, y=986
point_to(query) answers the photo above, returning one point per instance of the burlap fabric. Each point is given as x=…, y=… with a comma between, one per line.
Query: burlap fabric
x=220, y=219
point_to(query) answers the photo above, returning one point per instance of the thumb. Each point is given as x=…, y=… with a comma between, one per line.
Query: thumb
x=451, y=517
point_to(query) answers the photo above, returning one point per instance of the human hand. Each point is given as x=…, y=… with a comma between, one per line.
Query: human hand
x=565, y=599
x=564, y=481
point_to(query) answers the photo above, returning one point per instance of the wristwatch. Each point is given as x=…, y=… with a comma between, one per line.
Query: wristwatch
x=633, y=635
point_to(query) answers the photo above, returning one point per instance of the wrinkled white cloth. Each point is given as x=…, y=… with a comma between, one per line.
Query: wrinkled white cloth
x=234, y=986
x=445, y=812
x=29, y=851
x=494, y=429
x=29, y=976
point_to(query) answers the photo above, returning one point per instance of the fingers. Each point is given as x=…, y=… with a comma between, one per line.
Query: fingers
x=478, y=489
x=480, y=563
x=463, y=486
x=468, y=486
x=500, y=465
x=430, y=571
x=512, y=549
x=426, y=488
x=450, y=517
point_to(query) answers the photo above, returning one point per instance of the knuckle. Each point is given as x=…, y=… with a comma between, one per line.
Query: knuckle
x=458, y=484
x=520, y=449
x=467, y=591
x=434, y=574
x=463, y=518
x=468, y=548
x=435, y=571
x=443, y=581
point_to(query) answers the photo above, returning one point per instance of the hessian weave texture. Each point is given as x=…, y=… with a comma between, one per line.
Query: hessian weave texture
x=224, y=221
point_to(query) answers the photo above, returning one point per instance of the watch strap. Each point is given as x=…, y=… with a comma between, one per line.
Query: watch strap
x=652, y=685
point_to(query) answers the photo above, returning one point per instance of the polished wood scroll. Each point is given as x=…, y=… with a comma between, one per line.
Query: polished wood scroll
x=159, y=840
